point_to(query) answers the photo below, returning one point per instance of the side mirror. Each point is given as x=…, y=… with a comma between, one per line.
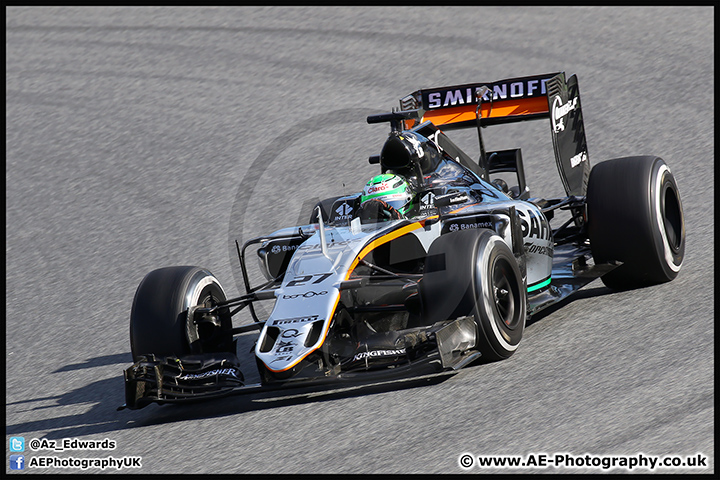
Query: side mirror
x=509, y=161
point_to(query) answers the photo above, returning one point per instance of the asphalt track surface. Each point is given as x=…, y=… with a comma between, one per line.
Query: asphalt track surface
x=131, y=133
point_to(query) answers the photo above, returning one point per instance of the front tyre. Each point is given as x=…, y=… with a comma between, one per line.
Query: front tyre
x=159, y=321
x=473, y=272
x=635, y=216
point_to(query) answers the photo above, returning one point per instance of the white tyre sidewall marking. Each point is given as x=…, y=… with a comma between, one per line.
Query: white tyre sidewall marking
x=667, y=251
x=193, y=297
x=488, y=298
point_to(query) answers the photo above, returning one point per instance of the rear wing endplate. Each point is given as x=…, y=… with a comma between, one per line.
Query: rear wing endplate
x=514, y=100
x=568, y=133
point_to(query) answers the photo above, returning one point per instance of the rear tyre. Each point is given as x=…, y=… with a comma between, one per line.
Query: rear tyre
x=158, y=319
x=474, y=273
x=635, y=216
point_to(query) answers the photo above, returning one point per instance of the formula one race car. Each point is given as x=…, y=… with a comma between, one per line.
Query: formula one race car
x=436, y=263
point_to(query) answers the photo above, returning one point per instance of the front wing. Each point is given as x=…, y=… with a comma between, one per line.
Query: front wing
x=206, y=376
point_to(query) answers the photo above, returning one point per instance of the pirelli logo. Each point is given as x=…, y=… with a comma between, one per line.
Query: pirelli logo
x=511, y=89
x=288, y=321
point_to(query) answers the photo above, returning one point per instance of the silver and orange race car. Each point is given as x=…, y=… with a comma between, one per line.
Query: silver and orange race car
x=437, y=263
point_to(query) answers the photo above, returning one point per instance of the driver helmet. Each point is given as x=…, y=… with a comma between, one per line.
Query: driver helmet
x=391, y=189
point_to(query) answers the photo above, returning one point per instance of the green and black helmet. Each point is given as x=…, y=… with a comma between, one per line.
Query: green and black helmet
x=390, y=188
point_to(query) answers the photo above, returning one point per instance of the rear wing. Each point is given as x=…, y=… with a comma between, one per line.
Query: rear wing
x=513, y=100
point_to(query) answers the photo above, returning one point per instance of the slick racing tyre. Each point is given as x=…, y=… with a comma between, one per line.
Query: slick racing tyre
x=474, y=273
x=635, y=216
x=159, y=321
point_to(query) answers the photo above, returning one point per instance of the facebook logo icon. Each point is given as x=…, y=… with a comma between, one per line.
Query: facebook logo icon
x=17, y=462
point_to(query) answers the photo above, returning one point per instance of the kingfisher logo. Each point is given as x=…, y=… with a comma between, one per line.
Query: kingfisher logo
x=417, y=146
x=578, y=159
x=221, y=371
x=378, y=353
x=559, y=110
